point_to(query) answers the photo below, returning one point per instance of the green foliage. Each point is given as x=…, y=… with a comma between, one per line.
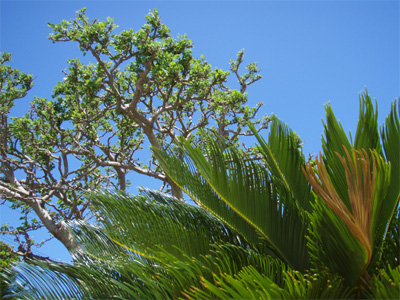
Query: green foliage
x=14, y=84
x=159, y=78
x=7, y=259
x=238, y=242
x=277, y=227
x=264, y=216
x=7, y=256
x=386, y=285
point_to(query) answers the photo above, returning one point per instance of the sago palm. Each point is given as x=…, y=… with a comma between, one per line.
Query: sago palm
x=279, y=227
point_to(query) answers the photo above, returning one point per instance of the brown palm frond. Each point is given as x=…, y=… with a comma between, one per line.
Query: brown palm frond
x=360, y=179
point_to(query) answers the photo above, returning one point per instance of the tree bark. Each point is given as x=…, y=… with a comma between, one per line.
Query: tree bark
x=56, y=229
x=175, y=190
x=121, y=179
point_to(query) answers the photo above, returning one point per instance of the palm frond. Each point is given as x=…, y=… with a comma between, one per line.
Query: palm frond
x=365, y=193
x=389, y=233
x=334, y=142
x=390, y=133
x=230, y=259
x=391, y=243
x=285, y=161
x=35, y=281
x=168, y=277
x=148, y=246
x=367, y=134
x=187, y=177
x=94, y=279
x=386, y=284
x=367, y=181
x=95, y=244
x=245, y=196
x=143, y=223
x=226, y=259
x=325, y=285
x=333, y=246
x=250, y=283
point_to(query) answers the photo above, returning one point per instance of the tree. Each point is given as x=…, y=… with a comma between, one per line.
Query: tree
x=24, y=194
x=148, y=79
x=281, y=228
x=33, y=192
x=143, y=88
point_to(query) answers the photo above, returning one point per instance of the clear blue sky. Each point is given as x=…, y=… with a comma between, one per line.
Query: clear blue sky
x=311, y=52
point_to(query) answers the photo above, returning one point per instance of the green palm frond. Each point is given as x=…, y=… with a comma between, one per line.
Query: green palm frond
x=332, y=245
x=226, y=259
x=386, y=284
x=92, y=279
x=126, y=256
x=90, y=237
x=367, y=134
x=142, y=224
x=285, y=161
x=324, y=285
x=250, y=283
x=391, y=244
x=390, y=133
x=36, y=281
x=345, y=188
x=230, y=259
x=187, y=177
x=169, y=277
x=316, y=286
x=334, y=142
x=245, y=188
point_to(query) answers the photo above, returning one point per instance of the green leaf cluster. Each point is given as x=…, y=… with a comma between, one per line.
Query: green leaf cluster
x=7, y=259
x=157, y=76
x=14, y=84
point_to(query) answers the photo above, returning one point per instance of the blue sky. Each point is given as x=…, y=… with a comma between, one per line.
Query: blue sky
x=310, y=52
